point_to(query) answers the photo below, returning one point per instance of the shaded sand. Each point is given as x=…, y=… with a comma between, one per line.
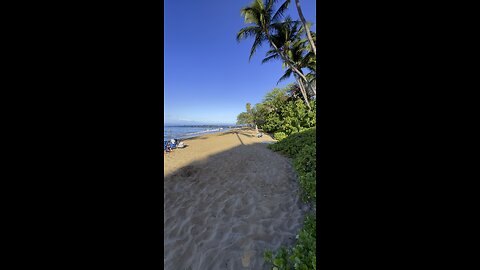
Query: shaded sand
x=227, y=198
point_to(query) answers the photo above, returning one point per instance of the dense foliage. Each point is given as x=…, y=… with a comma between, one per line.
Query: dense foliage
x=281, y=111
x=244, y=119
x=303, y=254
x=279, y=136
x=301, y=147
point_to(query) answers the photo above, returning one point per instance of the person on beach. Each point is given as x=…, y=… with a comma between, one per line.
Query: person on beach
x=259, y=134
x=168, y=148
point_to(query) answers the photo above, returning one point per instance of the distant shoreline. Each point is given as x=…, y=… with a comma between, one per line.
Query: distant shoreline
x=208, y=133
x=203, y=126
x=215, y=129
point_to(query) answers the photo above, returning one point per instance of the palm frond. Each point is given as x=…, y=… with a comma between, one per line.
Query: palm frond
x=285, y=32
x=250, y=15
x=311, y=77
x=309, y=61
x=246, y=32
x=270, y=3
x=258, y=4
x=270, y=52
x=285, y=76
x=302, y=29
x=281, y=10
x=257, y=43
x=270, y=58
x=288, y=21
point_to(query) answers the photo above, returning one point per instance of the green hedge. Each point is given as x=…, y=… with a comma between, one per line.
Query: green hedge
x=303, y=255
x=301, y=147
x=279, y=136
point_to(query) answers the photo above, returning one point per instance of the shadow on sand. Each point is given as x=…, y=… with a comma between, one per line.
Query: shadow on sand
x=225, y=211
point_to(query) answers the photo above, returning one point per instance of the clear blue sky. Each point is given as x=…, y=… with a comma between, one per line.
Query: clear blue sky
x=208, y=77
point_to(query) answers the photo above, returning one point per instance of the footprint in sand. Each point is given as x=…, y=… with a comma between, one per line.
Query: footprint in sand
x=246, y=257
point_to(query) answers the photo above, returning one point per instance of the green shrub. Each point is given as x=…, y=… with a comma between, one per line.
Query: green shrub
x=301, y=147
x=281, y=112
x=305, y=165
x=293, y=144
x=279, y=260
x=302, y=255
x=279, y=136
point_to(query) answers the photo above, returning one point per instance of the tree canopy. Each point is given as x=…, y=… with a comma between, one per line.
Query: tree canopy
x=281, y=110
x=291, y=41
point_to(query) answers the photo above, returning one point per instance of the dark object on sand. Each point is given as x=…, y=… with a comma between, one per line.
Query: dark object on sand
x=166, y=146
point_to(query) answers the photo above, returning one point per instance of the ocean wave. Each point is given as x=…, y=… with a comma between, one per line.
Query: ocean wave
x=204, y=131
x=188, y=132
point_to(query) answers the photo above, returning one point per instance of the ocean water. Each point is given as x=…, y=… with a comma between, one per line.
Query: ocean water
x=183, y=132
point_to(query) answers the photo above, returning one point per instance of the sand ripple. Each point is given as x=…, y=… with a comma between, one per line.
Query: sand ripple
x=223, y=213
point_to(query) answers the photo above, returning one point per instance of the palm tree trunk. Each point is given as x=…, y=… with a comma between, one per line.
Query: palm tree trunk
x=300, y=14
x=311, y=88
x=302, y=90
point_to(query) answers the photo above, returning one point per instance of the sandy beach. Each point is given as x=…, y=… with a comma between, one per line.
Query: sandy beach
x=227, y=198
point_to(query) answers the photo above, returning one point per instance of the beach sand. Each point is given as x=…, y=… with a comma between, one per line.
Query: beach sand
x=227, y=198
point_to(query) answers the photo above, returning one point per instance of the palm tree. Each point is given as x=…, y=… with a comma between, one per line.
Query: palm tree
x=287, y=38
x=295, y=55
x=310, y=58
x=284, y=7
x=260, y=14
x=307, y=30
x=310, y=62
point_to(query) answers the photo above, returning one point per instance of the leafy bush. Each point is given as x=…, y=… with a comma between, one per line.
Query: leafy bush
x=301, y=147
x=280, y=112
x=290, y=117
x=293, y=144
x=305, y=165
x=303, y=255
x=279, y=260
x=279, y=136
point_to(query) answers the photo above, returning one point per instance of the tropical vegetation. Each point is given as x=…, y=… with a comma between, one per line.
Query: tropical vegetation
x=288, y=113
x=281, y=113
x=301, y=147
x=290, y=41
